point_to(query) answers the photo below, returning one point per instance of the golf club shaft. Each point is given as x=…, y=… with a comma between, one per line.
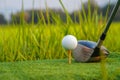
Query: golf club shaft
x=108, y=24
x=103, y=36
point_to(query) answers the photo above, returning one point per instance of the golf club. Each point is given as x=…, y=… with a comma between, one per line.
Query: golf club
x=96, y=51
x=89, y=51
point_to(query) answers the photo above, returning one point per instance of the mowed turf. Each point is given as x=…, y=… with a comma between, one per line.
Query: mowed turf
x=59, y=69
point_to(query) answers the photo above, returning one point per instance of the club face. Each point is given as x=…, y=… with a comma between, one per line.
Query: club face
x=85, y=54
x=82, y=53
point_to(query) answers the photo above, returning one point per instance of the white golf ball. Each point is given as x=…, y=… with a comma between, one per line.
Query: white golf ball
x=69, y=42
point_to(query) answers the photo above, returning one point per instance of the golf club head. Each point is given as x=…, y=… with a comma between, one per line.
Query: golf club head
x=84, y=52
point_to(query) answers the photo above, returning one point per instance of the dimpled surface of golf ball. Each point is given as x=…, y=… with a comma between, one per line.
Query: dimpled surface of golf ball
x=69, y=42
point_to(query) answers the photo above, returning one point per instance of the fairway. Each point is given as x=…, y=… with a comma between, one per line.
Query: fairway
x=59, y=69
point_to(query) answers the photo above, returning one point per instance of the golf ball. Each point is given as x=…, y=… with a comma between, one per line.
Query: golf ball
x=69, y=42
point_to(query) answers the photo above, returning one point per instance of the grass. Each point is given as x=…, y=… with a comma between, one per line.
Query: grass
x=59, y=69
x=34, y=51
x=44, y=42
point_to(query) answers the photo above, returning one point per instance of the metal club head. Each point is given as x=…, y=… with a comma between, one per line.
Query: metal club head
x=84, y=52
